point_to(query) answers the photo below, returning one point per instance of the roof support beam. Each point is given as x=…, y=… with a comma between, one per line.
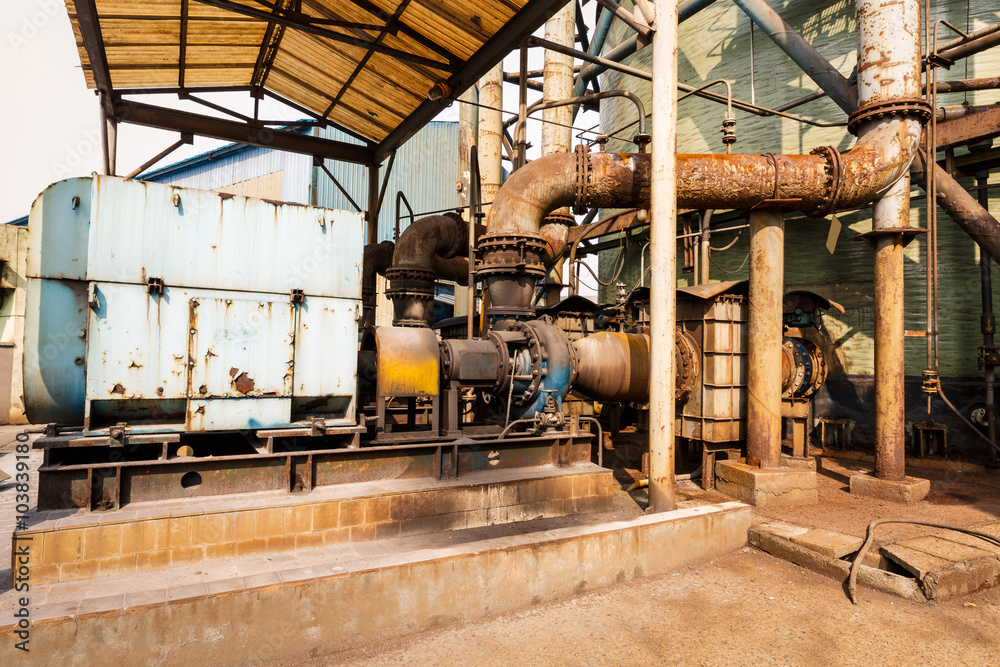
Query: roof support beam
x=137, y=113
x=517, y=28
x=319, y=31
x=413, y=34
x=93, y=42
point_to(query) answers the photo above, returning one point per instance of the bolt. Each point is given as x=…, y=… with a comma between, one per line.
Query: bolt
x=194, y=331
x=190, y=363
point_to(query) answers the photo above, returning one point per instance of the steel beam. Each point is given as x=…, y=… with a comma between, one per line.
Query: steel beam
x=816, y=67
x=522, y=24
x=93, y=42
x=137, y=113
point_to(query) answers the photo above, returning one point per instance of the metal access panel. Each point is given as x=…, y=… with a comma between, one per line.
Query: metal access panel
x=172, y=309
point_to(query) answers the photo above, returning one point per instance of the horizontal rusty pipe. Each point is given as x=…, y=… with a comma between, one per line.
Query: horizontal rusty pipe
x=424, y=249
x=963, y=209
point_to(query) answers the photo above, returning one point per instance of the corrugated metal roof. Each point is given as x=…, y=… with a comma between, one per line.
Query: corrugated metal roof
x=366, y=65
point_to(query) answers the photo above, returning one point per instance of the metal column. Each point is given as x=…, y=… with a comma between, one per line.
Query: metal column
x=663, y=256
x=889, y=71
x=490, y=143
x=988, y=320
x=767, y=267
x=892, y=211
x=558, y=85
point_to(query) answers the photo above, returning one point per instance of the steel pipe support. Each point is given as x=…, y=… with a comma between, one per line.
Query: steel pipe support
x=764, y=338
x=662, y=259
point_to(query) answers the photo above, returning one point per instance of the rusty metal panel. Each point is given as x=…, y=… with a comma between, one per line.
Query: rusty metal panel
x=205, y=239
x=407, y=361
x=239, y=348
x=58, y=231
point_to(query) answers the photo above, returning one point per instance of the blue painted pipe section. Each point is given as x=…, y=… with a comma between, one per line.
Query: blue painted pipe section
x=596, y=46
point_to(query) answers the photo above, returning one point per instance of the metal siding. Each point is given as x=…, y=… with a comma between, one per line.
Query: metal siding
x=231, y=166
x=426, y=170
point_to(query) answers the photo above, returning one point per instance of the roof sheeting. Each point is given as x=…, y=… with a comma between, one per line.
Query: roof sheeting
x=365, y=65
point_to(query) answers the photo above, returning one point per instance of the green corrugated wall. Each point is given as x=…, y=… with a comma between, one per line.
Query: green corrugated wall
x=716, y=44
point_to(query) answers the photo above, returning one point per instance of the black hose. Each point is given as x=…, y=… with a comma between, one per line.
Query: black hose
x=852, y=585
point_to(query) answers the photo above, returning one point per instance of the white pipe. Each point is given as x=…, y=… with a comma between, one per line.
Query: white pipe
x=490, y=143
x=663, y=251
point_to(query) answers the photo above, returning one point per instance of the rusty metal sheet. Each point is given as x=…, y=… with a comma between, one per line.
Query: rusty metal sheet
x=237, y=413
x=712, y=290
x=408, y=361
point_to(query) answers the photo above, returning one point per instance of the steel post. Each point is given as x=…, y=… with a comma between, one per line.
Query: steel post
x=663, y=251
x=767, y=266
x=490, y=143
x=468, y=122
x=891, y=211
x=889, y=70
x=558, y=85
x=988, y=319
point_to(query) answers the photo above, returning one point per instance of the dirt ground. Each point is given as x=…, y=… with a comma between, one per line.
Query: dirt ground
x=747, y=608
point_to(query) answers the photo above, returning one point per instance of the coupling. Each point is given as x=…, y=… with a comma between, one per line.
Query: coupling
x=510, y=266
x=411, y=291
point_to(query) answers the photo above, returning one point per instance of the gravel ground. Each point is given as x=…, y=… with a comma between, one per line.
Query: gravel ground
x=747, y=608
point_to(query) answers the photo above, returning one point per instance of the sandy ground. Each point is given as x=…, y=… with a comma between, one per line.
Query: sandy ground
x=746, y=608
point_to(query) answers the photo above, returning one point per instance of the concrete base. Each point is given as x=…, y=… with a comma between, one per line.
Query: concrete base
x=801, y=462
x=351, y=596
x=910, y=490
x=766, y=487
x=70, y=546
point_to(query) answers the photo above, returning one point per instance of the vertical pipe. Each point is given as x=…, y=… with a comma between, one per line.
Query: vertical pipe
x=988, y=320
x=663, y=259
x=892, y=210
x=706, y=248
x=558, y=85
x=490, y=143
x=767, y=267
x=888, y=70
x=468, y=122
x=109, y=141
x=371, y=215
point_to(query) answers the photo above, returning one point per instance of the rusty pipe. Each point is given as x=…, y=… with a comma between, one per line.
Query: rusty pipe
x=612, y=367
x=424, y=248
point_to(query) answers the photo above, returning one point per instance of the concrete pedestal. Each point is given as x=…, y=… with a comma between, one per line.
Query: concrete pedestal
x=909, y=490
x=766, y=487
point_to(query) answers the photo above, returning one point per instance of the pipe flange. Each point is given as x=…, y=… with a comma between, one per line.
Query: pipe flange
x=687, y=364
x=831, y=191
x=908, y=106
x=559, y=219
x=773, y=159
x=537, y=372
x=582, y=178
x=515, y=254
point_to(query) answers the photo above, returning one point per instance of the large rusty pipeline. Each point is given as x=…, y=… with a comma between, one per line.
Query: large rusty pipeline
x=423, y=253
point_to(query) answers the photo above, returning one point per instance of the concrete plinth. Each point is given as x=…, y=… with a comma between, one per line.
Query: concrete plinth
x=766, y=487
x=909, y=490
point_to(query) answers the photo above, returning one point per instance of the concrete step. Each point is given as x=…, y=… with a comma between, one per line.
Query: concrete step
x=287, y=608
x=73, y=545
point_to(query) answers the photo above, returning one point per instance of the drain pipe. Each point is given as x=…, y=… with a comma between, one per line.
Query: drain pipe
x=988, y=354
x=662, y=259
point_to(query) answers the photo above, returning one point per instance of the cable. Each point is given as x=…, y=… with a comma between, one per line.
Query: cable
x=739, y=270
x=852, y=585
x=967, y=422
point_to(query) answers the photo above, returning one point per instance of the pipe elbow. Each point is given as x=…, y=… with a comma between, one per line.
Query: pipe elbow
x=445, y=235
x=531, y=193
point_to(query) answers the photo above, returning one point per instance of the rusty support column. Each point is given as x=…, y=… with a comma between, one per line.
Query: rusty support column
x=663, y=259
x=889, y=71
x=558, y=85
x=891, y=211
x=489, y=145
x=109, y=142
x=767, y=267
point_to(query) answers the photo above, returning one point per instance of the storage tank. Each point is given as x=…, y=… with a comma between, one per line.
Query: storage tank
x=716, y=43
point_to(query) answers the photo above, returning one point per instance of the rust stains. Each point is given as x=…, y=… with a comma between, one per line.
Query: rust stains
x=118, y=389
x=241, y=381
